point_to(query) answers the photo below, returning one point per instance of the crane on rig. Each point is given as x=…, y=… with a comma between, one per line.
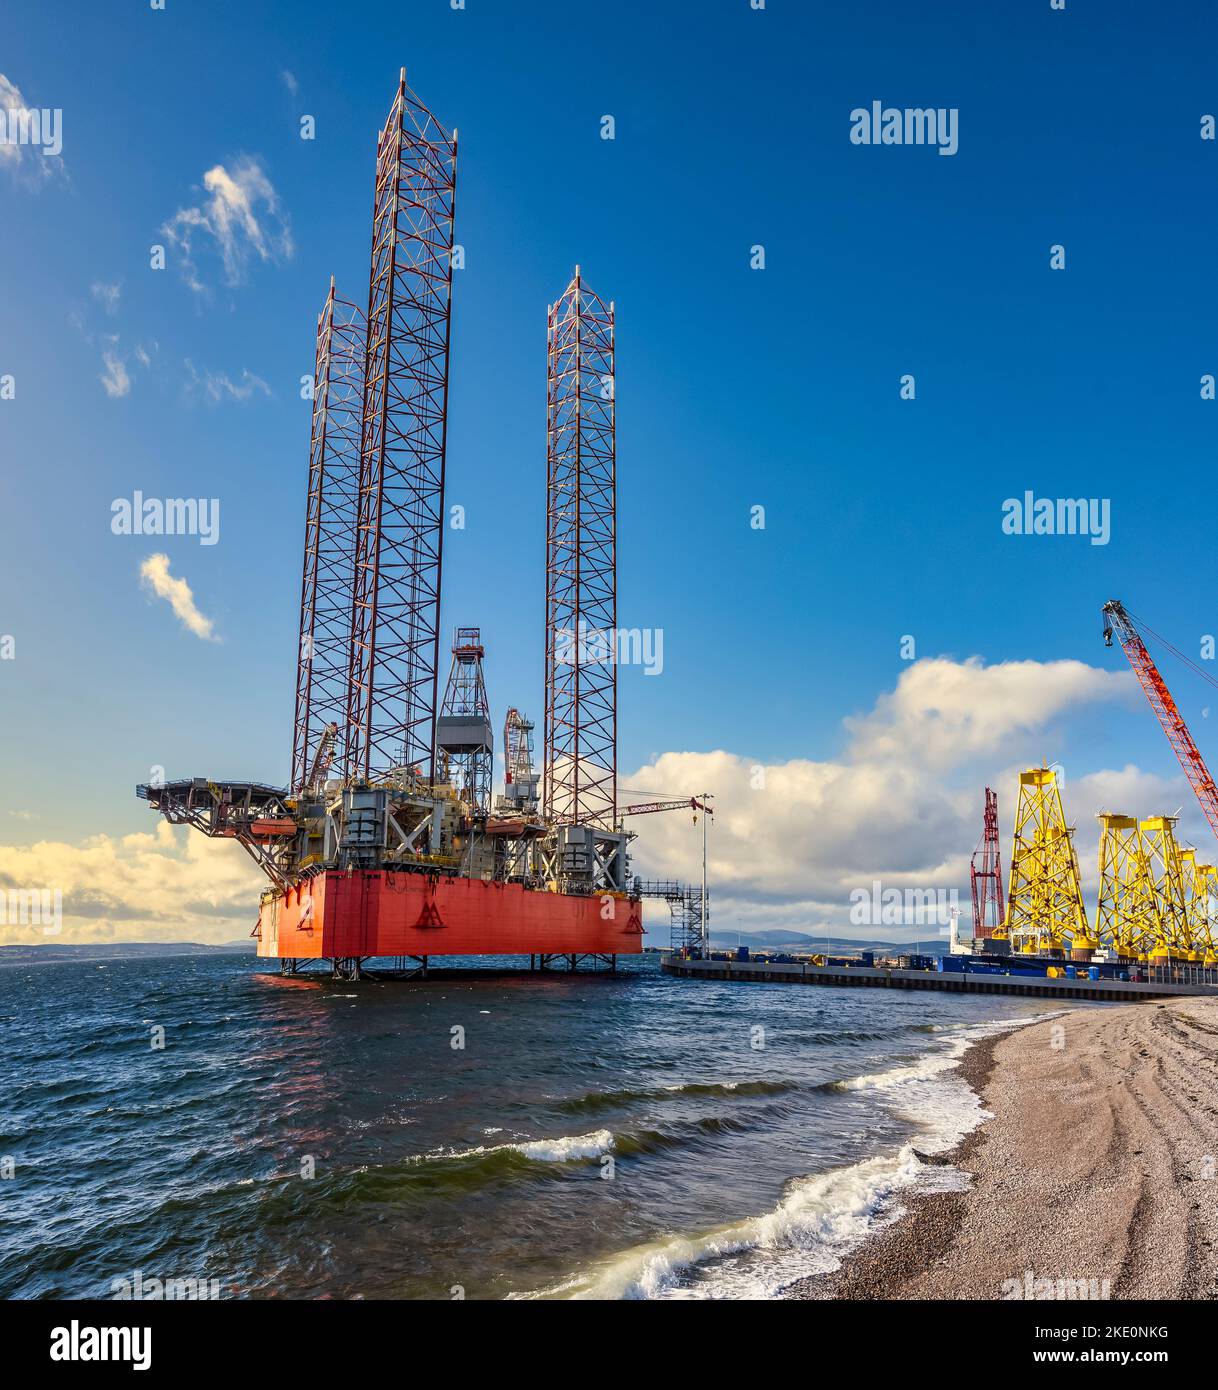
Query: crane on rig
x=322, y=760
x=1118, y=620
x=684, y=803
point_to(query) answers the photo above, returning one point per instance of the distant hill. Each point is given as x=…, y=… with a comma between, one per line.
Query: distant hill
x=122, y=950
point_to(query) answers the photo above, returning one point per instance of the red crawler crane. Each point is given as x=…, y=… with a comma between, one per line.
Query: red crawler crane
x=987, y=880
x=1117, y=620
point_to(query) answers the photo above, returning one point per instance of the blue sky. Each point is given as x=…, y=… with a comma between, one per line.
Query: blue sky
x=736, y=387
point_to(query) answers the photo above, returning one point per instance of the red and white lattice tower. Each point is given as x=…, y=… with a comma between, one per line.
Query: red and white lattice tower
x=395, y=612
x=579, y=769
x=989, y=908
x=322, y=667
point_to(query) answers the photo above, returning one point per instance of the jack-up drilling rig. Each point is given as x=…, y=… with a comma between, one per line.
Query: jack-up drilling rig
x=385, y=844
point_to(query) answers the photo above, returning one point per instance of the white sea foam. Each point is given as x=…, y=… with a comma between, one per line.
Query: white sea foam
x=564, y=1149
x=930, y=1092
x=819, y=1220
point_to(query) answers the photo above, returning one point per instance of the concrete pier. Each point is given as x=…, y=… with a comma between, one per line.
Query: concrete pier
x=762, y=972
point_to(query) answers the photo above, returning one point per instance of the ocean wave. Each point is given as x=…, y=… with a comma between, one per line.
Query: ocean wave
x=587, y=1147
x=929, y=1092
x=958, y=1040
x=469, y=1165
x=567, y=1148
x=819, y=1220
x=615, y=1100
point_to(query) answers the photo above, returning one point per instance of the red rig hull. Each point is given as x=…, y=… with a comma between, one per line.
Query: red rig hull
x=342, y=913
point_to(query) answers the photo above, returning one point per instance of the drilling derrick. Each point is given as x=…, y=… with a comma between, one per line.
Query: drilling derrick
x=395, y=616
x=519, y=775
x=987, y=877
x=329, y=547
x=1045, y=900
x=463, y=730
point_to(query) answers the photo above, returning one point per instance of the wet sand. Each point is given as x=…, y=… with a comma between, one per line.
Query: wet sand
x=1098, y=1164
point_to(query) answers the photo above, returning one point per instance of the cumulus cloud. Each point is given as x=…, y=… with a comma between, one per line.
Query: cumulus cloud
x=790, y=841
x=218, y=386
x=154, y=573
x=169, y=884
x=240, y=219
x=948, y=709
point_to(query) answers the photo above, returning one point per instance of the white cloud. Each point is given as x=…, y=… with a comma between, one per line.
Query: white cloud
x=10, y=100
x=218, y=386
x=790, y=841
x=117, y=360
x=114, y=378
x=947, y=709
x=28, y=164
x=166, y=885
x=290, y=82
x=154, y=572
x=240, y=218
x=106, y=295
